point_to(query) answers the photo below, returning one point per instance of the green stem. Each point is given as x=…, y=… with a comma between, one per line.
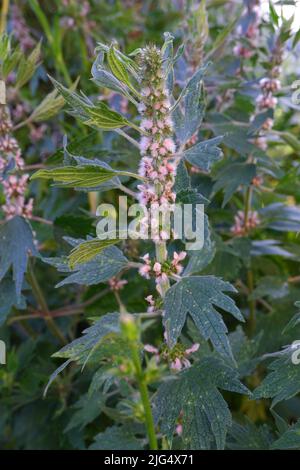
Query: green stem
x=252, y=313
x=161, y=256
x=38, y=293
x=149, y=421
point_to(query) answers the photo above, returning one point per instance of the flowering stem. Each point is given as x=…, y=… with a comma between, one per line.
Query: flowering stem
x=161, y=256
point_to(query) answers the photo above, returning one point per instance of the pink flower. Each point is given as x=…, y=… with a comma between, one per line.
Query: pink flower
x=151, y=349
x=144, y=271
x=192, y=349
x=146, y=124
x=176, y=364
x=169, y=145
x=157, y=268
x=146, y=91
x=144, y=144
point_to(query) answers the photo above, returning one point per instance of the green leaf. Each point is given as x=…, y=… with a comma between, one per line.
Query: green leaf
x=81, y=176
x=88, y=408
x=197, y=296
x=118, y=68
x=27, y=66
x=194, y=395
x=283, y=382
x=199, y=259
x=273, y=14
x=92, y=337
x=9, y=299
x=11, y=62
x=101, y=115
x=87, y=250
x=232, y=176
x=204, y=154
x=116, y=438
x=249, y=436
x=290, y=439
x=294, y=321
x=16, y=243
x=188, y=112
x=182, y=179
x=49, y=106
x=105, y=265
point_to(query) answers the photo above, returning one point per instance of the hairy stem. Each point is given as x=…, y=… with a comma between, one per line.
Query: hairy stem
x=149, y=421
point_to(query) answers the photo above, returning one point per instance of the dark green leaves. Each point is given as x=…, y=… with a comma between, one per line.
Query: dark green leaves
x=189, y=111
x=16, y=243
x=197, y=296
x=194, y=395
x=283, y=382
x=232, y=176
x=106, y=264
x=8, y=299
x=290, y=439
x=116, y=438
x=204, y=154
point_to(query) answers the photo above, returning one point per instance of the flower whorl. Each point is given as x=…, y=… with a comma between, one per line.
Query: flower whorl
x=14, y=186
x=157, y=146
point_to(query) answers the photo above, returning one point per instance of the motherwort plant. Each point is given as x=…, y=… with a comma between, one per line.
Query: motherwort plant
x=163, y=120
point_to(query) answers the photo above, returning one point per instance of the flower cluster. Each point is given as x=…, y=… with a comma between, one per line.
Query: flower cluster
x=14, y=186
x=249, y=29
x=266, y=100
x=157, y=146
x=177, y=358
x=242, y=227
x=116, y=284
x=160, y=271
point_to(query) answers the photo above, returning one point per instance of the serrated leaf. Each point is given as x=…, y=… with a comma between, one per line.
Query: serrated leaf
x=188, y=113
x=105, y=118
x=118, y=68
x=194, y=394
x=101, y=115
x=182, y=179
x=81, y=176
x=27, y=66
x=116, y=438
x=87, y=250
x=199, y=259
x=105, y=265
x=231, y=177
x=49, y=106
x=197, y=296
x=283, y=382
x=92, y=336
x=9, y=299
x=204, y=154
x=88, y=408
x=290, y=439
x=16, y=243
x=249, y=436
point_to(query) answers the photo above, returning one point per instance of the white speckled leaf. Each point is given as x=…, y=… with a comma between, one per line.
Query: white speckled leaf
x=194, y=394
x=197, y=296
